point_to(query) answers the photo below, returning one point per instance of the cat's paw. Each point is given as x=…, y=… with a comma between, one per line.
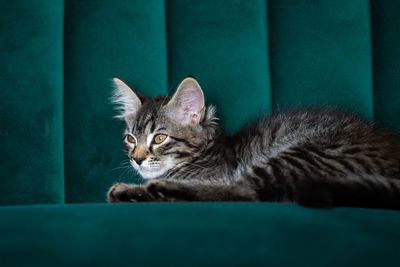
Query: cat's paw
x=157, y=189
x=121, y=192
x=164, y=190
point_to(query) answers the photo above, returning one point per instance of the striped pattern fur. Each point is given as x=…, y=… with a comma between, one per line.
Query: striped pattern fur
x=316, y=157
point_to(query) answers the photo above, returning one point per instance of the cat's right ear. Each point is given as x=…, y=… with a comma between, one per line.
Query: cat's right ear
x=128, y=103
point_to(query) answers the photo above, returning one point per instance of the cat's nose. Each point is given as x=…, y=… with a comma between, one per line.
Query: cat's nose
x=139, y=160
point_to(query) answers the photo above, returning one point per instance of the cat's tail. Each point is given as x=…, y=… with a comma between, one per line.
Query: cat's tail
x=371, y=191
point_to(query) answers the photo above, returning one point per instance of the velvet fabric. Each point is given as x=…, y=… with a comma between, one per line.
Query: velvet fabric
x=197, y=234
x=386, y=62
x=224, y=45
x=250, y=57
x=31, y=102
x=59, y=139
x=320, y=54
x=105, y=39
x=60, y=144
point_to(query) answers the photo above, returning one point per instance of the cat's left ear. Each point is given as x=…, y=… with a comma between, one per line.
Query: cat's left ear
x=128, y=103
x=187, y=104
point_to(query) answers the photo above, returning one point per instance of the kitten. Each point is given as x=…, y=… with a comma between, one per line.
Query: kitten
x=315, y=157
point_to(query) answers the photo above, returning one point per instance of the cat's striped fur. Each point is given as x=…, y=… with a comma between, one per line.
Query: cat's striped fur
x=316, y=157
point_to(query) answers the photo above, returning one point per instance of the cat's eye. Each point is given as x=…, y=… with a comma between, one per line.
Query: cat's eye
x=159, y=138
x=131, y=139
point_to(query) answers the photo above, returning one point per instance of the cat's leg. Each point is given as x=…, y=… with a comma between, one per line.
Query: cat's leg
x=121, y=192
x=175, y=190
x=371, y=191
x=314, y=193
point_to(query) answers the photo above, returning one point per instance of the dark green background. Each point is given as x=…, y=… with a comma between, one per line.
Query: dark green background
x=197, y=234
x=59, y=143
x=31, y=102
x=59, y=140
x=102, y=40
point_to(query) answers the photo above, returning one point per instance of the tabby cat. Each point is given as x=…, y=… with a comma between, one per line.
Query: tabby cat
x=316, y=157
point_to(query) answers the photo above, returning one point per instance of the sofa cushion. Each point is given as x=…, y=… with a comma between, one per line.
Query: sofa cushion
x=197, y=234
x=385, y=22
x=224, y=45
x=105, y=39
x=31, y=87
x=320, y=53
x=316, y=53
x=59, y=140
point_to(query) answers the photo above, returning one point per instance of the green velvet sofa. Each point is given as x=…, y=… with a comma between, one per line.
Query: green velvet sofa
x=60, y=147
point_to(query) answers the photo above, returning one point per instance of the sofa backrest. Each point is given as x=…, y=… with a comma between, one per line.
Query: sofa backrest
x=59, y=142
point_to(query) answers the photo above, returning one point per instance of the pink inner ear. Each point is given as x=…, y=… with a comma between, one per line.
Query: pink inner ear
x=190, y=104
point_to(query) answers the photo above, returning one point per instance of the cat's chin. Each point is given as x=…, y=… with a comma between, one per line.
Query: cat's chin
x=151, y=174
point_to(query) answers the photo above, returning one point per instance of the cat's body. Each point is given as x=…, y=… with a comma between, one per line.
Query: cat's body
x=317, y=157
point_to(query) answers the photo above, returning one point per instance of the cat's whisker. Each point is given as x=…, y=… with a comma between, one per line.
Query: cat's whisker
x=120, y=167
x=125, y=171
x=123, y=164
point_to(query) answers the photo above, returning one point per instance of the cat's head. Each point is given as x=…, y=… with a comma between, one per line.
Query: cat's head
x=164, y=132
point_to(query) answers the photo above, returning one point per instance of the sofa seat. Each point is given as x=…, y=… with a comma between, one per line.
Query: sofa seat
x=60, y=145
x=190, y=234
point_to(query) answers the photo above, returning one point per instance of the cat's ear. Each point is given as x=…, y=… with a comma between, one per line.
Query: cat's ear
x=128, y=103
x=187, y=104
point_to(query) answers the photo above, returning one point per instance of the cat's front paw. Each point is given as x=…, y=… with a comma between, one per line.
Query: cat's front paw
x=162, y=190
x=121, y=192
x=157, y=189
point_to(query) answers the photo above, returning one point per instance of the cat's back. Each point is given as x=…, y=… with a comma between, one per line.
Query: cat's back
x=323, y=131
x=315, y=123
x=327, y=126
